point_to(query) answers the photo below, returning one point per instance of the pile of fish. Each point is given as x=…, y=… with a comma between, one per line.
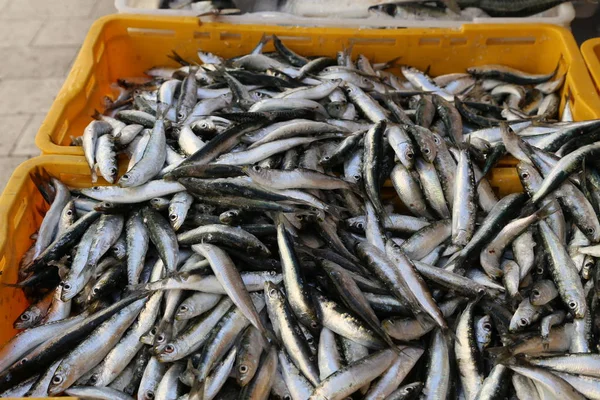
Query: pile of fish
x=458, y=10
x=253, y=249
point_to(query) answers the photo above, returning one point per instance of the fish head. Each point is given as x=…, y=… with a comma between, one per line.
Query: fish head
x=518, y=322
x=58, y=383
x=577, y=307
x=185, y=310
x=169, y=352
x=175, y=221
x=26, y=319
x=272, y=291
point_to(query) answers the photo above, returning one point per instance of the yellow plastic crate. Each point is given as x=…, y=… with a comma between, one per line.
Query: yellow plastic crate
x=590, y=50
x=123, y=45
x=21, y=211
x=22, y=208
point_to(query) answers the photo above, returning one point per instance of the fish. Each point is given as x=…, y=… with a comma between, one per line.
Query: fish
x=316, y=228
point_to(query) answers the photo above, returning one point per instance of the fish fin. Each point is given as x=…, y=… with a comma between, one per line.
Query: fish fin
x=162, y=109
x=11, y=285
x=270, y=335
x=390, y=63
x=139, y=288
x=177, y=58
x=335, y=210
x=453, y=6
x=545, y=211
x=422, y=318
x=97, y=115
x=41, y=179
x=500, y=354
x=558, y=65
x=264, y=39
x=450, y=334
x=527, y=149
x=197, y=390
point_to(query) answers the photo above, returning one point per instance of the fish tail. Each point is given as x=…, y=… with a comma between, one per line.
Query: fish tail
x=139, y=288
x=335, y=210
x=450, y=334
x=546, y=211
x=528, y=208
x=270, y=335
x=500, y=355
x=11, y=285
x=177, y=58
x=390, y=64
x=197, y=390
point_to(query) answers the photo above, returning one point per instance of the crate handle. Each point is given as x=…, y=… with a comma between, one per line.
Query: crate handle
x=149, y=32
x=522, y=40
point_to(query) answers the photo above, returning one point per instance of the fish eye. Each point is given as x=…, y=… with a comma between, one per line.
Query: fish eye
x=409, y=389
x=95, y=290
x=149, y=395
x=173, y=217
x=160, y=338
x=326, y=158
x=93, y=379
x=96, y=188
x=357, y=177
x=572, y=305
x=487, y=327
x=540, y=271
x=436, y=139
x=426, y=151
x=523, y=322
x=25, y=317
x=310, y=340
x=256, y=168
x=525, y=175
x=287, y=397
x=272, y=273
x=113, y=171
x=126, y=176
x=69, y=213
x=153, y=331
x=409, y=156
x=23, y=361
x=67, y=286
x=243, y=369
x=589, y=264
x=590, y=230
x=169, y=348
x=183, y=308
x=57, y=379
x=360, y=225
x=272, y=293
x=314, y=324
x=535, y=293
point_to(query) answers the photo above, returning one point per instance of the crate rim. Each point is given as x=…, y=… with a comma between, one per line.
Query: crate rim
x=592, y=59
x=17, y=180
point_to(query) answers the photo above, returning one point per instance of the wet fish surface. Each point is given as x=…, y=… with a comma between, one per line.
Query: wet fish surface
x=318, y=228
